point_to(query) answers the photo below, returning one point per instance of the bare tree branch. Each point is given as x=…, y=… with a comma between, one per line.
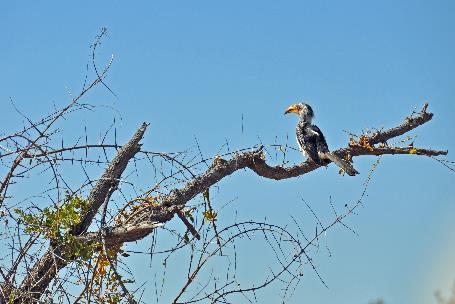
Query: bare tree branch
x=255, y=160
x=119, y=235
x=408, y=125
x=46, y=268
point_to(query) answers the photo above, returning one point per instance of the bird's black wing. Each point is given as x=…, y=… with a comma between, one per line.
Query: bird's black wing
x=307, y=139
x=321, y=144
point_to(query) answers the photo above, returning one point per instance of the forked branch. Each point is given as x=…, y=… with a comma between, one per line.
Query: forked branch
x=45, y=270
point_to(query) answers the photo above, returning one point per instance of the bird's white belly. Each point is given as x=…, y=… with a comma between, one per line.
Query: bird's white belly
x=301, y=148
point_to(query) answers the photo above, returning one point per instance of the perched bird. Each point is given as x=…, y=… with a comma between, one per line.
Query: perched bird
x=312, y=142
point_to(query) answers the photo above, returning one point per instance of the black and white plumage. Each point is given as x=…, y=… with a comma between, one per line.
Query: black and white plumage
x=312, y=142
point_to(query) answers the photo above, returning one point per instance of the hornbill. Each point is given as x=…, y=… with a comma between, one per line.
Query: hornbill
x=311, y=140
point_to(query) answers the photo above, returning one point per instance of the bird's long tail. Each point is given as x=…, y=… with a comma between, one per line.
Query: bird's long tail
x=346, y=166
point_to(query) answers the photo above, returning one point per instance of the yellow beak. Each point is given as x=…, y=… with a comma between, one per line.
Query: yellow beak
x=292, y=109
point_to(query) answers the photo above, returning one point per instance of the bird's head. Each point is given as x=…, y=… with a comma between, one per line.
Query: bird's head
x=304, y=111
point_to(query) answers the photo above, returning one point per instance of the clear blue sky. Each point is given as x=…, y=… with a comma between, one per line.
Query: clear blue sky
x=194, y=68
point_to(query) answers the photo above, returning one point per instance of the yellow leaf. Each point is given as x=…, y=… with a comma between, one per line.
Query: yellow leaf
x=210, y=215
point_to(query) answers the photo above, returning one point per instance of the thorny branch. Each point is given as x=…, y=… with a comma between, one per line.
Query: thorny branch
x=43, y=134
x=156, y=214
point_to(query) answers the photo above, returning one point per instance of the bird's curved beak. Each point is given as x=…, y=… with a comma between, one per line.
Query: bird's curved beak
x=292, y=109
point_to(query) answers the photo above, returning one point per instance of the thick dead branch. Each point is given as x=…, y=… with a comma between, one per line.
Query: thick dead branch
x=110, y=179
x=408, y=125
x=119, y=235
